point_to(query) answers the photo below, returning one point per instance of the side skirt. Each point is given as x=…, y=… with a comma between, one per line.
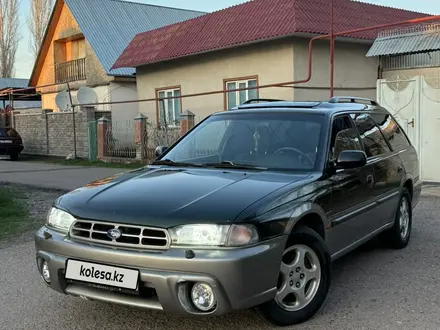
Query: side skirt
x=361, y=241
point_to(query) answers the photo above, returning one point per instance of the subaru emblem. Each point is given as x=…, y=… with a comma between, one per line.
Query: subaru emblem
x=114, y=233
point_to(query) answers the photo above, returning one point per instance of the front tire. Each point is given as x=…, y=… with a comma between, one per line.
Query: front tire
x=398, y=236
x=304, y=280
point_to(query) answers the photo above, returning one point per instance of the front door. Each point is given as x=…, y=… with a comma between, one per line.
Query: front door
x=352, y=190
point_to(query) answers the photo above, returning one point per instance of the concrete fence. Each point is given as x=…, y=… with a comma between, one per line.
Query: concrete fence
x=49, y=133
x=52, y=133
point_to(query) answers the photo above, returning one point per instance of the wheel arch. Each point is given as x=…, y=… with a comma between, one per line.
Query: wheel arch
x=408, y=184
x=311, y=216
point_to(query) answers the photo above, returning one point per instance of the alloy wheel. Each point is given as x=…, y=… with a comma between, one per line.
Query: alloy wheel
x=300, y=276
x=404, y=218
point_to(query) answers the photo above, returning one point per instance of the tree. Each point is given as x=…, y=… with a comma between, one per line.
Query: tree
x=38, y=19
x=9, y=36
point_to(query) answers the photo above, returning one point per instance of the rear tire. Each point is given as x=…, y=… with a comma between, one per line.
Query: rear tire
x=398, y=237
x=14, y=156
x=302, y=286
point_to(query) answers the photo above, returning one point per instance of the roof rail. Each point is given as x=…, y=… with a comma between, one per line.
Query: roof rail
x=351, y=99
x=260, y=100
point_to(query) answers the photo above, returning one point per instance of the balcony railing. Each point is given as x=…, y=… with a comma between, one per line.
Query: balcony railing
x=70, y=71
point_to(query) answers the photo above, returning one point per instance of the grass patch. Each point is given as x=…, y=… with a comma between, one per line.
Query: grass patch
x=14, y=214
x=81, y=162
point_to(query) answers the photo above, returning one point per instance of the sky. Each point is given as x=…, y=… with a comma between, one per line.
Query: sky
x=25, y=62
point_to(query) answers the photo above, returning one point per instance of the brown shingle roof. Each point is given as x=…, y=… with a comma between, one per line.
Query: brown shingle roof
x=256, y=20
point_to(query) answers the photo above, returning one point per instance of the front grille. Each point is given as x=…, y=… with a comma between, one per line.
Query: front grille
x=131, y=236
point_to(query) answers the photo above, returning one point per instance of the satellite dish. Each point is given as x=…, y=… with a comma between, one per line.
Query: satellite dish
x=87, y=95
x=62, y=101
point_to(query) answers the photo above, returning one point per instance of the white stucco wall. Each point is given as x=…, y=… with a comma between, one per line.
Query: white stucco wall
x=273, y=62
x=123, y=91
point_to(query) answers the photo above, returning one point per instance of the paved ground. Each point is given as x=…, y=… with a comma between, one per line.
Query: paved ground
x=373, y=288
x=51, y=176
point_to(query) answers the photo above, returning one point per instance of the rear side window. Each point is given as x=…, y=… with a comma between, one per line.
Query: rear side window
x=372, y=138
x=392, y=132
x=8, y=132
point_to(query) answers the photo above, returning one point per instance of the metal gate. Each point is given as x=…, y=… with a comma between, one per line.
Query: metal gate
x=415, y=101
x=92, y=130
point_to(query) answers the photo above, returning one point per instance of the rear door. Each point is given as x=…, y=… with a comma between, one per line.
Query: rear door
x=387, y=167
x=395, y=171
x=352, y=190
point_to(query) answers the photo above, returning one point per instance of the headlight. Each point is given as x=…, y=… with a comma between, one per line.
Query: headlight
x=214, y=235
x=60, y=220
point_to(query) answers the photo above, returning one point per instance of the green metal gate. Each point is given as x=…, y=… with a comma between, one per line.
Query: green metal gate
x=92, y=128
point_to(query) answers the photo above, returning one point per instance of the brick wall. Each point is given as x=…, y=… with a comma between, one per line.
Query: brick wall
x=51, y=133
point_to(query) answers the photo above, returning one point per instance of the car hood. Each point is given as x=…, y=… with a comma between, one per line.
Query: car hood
x=166, y=197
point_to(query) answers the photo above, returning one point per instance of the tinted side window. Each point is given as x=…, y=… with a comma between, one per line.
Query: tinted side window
x=392, y=132
x=371, y=136
x=344, y=137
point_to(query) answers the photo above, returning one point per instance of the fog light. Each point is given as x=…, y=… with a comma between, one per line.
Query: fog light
x=45, y=273
x=203, y=296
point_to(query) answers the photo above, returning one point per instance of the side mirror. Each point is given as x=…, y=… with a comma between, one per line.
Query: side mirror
x=160, y=150
x=351, y=159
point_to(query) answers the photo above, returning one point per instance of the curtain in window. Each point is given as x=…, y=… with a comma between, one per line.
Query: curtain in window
x=161, y=108
x=243, y=93
x=232, y=98
x=170, y=109
x=252, y=93
x=177, y=107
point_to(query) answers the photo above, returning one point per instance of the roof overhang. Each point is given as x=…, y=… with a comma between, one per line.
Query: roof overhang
x=259, y=41
x=413, y=40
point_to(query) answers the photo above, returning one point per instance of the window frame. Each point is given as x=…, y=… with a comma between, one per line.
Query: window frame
x=166, y=90
x=238, y=80
x=353, y=126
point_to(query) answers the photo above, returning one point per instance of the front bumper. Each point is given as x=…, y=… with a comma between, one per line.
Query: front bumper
x=241, y=278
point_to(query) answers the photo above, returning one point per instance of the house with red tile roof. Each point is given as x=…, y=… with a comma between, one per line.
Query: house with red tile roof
x=256, y=43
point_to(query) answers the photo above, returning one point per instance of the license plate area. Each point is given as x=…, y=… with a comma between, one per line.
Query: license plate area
x=5, y=141
x=101, y=275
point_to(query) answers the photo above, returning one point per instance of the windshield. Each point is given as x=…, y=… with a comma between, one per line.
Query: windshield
x=267, y=140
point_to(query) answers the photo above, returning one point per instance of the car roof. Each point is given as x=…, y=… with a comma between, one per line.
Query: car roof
x=332, y=106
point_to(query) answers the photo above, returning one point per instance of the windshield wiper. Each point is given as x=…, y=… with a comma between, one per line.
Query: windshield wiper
x=229, y=164
x=170, y=162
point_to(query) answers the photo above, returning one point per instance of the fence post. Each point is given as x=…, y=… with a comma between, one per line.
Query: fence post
x=140, y=138
x=186, y=122
x=44, y=113
x=103, y=128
